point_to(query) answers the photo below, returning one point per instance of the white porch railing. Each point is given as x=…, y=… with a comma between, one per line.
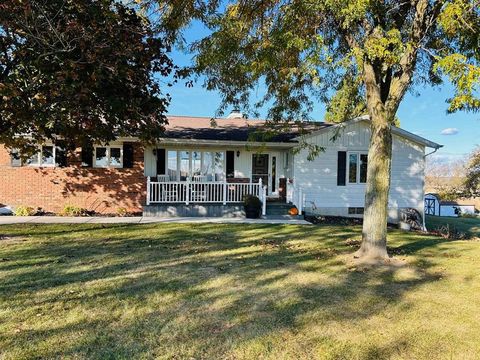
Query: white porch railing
x=164, y=192
x=295, y=195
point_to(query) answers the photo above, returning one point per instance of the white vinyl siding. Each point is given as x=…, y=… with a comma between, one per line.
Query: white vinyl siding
x=318, y=178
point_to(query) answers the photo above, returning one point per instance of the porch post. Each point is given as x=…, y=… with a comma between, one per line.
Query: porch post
x=264, y=200
x=148, y=190
x=260, y=187
x=187, y=191
x=225, y=191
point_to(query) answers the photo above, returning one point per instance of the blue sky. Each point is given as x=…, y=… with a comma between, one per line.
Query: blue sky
x=424, y=115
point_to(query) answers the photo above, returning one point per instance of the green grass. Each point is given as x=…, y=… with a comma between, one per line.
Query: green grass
x=469, y=226
x=189, y=291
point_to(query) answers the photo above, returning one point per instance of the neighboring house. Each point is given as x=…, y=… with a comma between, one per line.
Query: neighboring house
x=435, y=206
x=198, y=169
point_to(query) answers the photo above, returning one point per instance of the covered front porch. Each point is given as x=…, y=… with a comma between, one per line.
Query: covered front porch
x=208, y=180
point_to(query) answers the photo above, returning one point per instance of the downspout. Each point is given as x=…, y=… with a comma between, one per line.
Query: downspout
x=423, y=215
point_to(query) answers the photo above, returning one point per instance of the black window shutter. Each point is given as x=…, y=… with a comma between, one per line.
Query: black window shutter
x=230, y=164
x=87, y=155
x=16, y=160
x=60, y=153
x=161, y=162
x=128, y=155
x=342, y=168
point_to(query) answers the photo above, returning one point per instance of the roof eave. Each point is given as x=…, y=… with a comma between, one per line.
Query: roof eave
x=173, y=141
x=395, y=130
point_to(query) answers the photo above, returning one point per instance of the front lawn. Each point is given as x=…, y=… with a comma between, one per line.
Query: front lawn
x=190, y=291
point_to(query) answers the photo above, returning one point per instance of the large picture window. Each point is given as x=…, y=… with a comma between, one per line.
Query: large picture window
x=357, y=167
x=183, y=164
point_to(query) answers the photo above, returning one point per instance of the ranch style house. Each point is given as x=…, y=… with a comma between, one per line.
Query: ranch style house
x=197, y=169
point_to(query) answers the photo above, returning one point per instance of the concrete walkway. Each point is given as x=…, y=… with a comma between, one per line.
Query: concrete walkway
x=4, y=220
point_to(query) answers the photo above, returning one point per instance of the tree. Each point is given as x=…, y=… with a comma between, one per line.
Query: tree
x=79, y=70
x=355, y=56
x=472, y=179
x=446, y=178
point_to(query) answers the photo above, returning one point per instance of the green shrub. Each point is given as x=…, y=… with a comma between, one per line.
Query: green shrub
x=451, y=233
x=252, y=201
x=25, y=211
x=121, y=211
x=469, y=216
x=72, y=210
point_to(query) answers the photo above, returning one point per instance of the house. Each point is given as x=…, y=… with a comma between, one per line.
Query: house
x=198, y=169
x=434, y=205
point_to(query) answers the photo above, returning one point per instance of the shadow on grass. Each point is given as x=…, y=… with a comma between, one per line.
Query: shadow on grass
x=186, y=289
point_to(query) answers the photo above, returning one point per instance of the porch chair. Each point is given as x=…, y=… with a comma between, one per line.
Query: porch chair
x=200, y=192
x=163, y=178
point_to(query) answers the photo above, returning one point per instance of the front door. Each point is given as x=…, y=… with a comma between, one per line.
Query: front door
x=260, y=169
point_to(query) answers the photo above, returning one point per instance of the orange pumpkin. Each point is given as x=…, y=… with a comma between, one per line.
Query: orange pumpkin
x=293, y=211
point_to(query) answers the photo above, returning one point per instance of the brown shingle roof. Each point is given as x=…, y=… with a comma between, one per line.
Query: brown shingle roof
x=201, y=128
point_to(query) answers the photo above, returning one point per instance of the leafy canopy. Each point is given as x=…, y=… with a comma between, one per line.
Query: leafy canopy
x=323, y=50
x=81, y=70
x=472, y=178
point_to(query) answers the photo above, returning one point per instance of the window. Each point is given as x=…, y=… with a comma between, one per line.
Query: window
x=363, y=168
x=101, y=157
x=355, y=210
x=357, y=167
x=184, y=165
x=115, y=157
x=207, y=166
x=172, y=165
x=219, y=171
x=108, y=156
x=196, y=163
x=352, y=168
x=44, y=157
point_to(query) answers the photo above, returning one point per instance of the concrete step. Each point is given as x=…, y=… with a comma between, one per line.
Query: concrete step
x=278, y=208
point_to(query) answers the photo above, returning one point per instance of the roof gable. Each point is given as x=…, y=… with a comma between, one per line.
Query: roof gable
x=395, y=130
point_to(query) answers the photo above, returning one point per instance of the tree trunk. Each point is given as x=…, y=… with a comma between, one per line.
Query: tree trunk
x=374, y=233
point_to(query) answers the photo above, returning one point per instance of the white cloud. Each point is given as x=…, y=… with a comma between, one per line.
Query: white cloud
x=449, y=131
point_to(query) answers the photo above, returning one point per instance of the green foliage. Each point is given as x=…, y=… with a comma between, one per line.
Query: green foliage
x=82, y=70
x=472, y=178
x=252, y=201
x=121, y=211
x=466, y=78
x=72, y=210
x=24, y=211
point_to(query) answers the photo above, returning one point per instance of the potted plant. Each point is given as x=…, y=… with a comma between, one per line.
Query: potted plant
x=252, y=206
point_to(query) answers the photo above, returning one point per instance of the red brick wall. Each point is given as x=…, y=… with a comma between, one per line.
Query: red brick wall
x=101, y=190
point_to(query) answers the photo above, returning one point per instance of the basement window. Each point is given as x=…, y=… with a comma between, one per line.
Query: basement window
x=355, y=210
